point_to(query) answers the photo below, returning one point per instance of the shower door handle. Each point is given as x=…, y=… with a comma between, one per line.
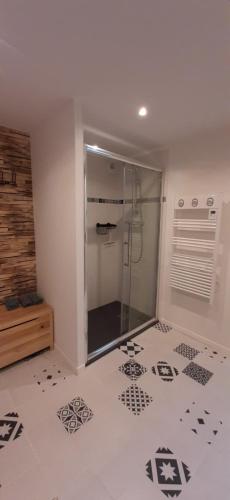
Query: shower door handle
x=127, y=243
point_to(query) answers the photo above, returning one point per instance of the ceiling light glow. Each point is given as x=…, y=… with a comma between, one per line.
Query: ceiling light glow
x=142, y=111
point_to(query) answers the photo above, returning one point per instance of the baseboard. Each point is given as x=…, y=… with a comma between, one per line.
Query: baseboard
x=196, y=336
x=76, y=369
x=80, y=368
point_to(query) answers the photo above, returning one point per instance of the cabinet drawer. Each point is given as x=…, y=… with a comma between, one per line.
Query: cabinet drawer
x=23, y=350
x=24, y=339
x=16, y=334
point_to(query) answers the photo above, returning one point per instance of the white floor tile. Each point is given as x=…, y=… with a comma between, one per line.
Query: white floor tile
x=27, y=486
x=105, y=459
x=15, y=459
x=6, y=401
x=90, y=488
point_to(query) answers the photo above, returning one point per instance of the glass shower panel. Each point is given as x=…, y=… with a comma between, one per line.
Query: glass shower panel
x=141, y=219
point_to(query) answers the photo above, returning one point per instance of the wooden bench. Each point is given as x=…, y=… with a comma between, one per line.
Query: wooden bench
x=24, y=331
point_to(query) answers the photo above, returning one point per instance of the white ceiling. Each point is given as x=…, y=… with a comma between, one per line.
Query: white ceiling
x=115, y=55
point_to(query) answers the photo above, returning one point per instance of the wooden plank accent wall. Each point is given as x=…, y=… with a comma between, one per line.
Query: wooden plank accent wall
x=17, y=243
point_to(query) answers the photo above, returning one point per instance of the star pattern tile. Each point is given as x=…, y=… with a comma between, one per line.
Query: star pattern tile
x=10, y=428
x=165, y=371
x=167, y=472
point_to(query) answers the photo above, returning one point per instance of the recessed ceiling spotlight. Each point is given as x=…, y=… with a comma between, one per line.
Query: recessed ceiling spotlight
x=142, y=111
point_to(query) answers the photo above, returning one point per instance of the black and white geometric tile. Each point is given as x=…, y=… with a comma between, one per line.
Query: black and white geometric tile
x=135, y=399
x=197, y=373
x=74, y=414
x=49, y=376
x=10, y=428
x=165, y=371
x=132, y=369
x=202, y=423
x=162, y=327
x=167, y=472
x=219, y=357
x=187, y=351
x=131, y=348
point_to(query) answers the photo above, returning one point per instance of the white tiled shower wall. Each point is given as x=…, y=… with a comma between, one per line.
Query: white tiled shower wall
x=104, y=180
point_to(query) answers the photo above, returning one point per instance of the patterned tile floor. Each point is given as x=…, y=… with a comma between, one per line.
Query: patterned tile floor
x=119, y=430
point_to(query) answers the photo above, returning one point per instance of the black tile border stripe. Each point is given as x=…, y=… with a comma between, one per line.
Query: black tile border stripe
x=155, y=199
x=105, y=200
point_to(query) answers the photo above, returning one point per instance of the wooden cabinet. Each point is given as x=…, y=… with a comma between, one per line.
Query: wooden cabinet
x=24, y=331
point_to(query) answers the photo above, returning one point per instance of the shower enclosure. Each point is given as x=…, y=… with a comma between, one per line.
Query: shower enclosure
x=123, y=209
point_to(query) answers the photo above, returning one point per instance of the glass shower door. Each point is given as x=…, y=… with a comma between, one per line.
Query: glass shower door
x=141, y=226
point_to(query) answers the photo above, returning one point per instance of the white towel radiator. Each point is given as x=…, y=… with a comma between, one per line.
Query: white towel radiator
x=194, y=245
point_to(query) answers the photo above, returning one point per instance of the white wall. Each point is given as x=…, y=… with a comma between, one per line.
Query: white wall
x=198, y=166
x=54, y=179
